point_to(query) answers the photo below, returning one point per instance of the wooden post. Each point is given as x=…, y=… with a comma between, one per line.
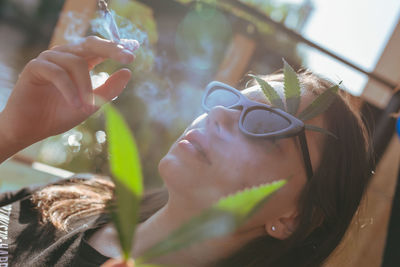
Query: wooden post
x=236, y=59
x=76, y=16
x=389, y=64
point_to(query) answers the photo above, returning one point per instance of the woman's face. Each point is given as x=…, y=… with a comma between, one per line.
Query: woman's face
x=214, y=158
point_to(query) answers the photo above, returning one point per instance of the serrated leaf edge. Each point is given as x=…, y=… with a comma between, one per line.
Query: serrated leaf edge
x=292, y=108
x=320, y=130
x=305, y=114
x=275, y=102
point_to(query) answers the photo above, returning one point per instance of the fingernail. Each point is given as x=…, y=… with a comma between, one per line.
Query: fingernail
x=125, y=56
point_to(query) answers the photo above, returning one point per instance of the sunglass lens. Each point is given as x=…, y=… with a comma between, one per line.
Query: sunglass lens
x=221, y=97
x=261, y=121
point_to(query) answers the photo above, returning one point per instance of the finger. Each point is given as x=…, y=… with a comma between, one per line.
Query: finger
x=118, y=263
x=113, y=87
x=46, y=71
x=77, y=68
x=95, y=47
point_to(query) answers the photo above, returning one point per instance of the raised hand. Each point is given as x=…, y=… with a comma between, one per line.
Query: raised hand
x=54, y=91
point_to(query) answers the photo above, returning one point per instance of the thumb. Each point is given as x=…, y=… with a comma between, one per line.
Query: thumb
x=113, y=87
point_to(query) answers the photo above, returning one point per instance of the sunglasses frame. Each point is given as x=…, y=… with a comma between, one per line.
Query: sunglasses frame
x=296, y=127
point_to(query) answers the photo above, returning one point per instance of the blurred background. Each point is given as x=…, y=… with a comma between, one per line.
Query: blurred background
x=184, y=45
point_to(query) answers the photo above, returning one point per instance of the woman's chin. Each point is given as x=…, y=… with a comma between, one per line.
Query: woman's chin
x=177, y=162
x=171, y=170
x=178, y=176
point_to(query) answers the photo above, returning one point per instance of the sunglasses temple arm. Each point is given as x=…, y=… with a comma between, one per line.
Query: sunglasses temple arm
x=306, y=154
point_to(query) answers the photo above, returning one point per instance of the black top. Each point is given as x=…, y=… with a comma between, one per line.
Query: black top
x=24, y=241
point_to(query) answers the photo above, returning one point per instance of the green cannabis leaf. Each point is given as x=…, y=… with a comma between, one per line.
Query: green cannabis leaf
x=292, y=88
x=220, y=219
x=127, y=175
x=269, y=92
x=320, y=104
x=320, y=130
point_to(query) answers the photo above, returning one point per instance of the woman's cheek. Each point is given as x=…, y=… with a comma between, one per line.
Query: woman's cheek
x=230, y=175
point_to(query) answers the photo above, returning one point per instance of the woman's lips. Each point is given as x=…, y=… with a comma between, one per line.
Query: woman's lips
x=198, y=140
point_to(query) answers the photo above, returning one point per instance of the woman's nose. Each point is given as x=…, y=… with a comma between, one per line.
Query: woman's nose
x=223, y=119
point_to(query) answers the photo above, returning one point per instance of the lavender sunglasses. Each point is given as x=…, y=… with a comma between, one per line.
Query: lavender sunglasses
x=258, y=120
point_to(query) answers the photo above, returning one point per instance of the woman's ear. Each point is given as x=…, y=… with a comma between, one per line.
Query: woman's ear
x=282, y=227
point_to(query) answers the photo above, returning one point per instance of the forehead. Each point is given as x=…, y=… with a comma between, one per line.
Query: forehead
x=255, y=93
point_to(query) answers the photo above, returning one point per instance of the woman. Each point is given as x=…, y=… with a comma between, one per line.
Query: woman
x=65, y=224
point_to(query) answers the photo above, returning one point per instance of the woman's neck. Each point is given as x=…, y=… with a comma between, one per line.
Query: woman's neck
x=158, y=227
x=170, y=218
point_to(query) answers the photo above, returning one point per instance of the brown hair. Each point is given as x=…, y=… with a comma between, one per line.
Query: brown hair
x=326, y=205
x=66, y=202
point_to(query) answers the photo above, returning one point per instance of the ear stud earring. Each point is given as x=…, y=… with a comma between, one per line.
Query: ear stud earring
x=273, y=228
